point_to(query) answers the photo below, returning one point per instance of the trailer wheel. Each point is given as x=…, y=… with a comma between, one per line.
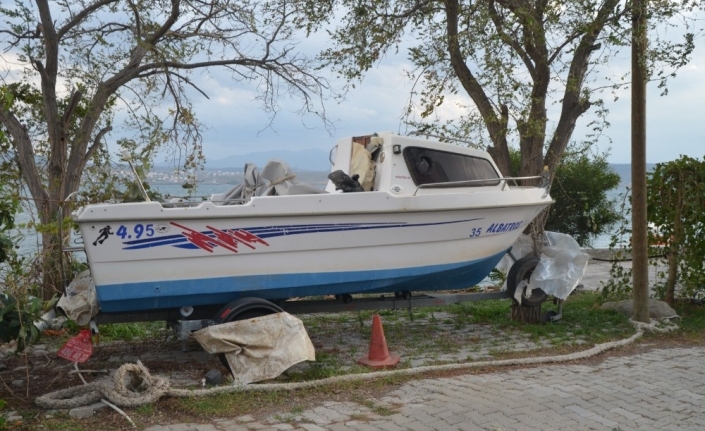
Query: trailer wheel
x=521, y=271
x=242, y=309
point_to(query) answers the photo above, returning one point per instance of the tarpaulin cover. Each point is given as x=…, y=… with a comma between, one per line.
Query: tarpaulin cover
x=361, y=164
x=261, y=348
x=276, y=179
x=80, y=302
x=561, y=266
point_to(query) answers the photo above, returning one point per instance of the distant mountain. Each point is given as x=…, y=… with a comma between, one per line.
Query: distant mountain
x=317, y=161
x=304, y=160
x=625, y=171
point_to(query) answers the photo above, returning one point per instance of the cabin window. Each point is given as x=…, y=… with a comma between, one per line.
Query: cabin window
x=432, y=166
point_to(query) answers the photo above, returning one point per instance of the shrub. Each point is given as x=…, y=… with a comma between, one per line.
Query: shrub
x=676, y=207
x=580, y=187
x=676, y=212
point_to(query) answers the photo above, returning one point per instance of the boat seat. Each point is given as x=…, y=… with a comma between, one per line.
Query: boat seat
x=362, y=162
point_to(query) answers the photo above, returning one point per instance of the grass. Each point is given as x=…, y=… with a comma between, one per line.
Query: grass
x=377, y=409
x=123, y=331
x=692, y=319
x=327, y=365
x=132, y=331
x=62, y=422
x=456, y=333
x=242, y=403
x=229, y=405
x=146, y=410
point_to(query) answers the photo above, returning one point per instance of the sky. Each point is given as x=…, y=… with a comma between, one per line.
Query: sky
x=675, y=123
x=236, y=125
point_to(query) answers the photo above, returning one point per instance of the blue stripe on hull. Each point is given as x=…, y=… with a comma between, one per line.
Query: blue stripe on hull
x=181, y=241
x=174, y=294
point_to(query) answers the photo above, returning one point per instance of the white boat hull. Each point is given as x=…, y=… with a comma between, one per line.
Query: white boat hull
x=184, y=261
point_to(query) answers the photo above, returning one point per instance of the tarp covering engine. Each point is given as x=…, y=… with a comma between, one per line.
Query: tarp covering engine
x=561, y=266
x=275, y=179
x=261, y=348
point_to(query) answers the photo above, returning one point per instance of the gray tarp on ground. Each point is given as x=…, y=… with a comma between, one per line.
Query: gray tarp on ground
x=80, y=302
x=276, y=179
x=261, y=348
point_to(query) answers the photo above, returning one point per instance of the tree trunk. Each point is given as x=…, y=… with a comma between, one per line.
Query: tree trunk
x=670, y=293
x=500, y=155
x=672, y=245
x=52, y=266
x=55, y=236
x=640, y=245
x=525, y=313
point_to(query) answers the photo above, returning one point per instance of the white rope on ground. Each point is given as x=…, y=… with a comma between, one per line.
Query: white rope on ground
x=667, y=325
x=107, y=403
x=157, y=387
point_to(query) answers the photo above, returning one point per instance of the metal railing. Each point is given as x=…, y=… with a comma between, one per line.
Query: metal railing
x=477, y=183
x=445, y=138
x=186, y=204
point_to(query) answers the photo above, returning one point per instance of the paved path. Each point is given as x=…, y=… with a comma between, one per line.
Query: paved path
x=658, y=390
x=598, y=272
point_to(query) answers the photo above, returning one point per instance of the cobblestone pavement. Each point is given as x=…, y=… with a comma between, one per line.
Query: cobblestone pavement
x=658, y=390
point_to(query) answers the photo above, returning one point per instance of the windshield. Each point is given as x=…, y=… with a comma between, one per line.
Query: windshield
x=432, y=166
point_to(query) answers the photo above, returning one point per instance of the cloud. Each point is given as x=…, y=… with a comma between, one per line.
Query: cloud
x=674, y=123
x=237, y=123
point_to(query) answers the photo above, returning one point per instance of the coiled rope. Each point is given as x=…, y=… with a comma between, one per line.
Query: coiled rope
x=132, y=386
x=142, y=388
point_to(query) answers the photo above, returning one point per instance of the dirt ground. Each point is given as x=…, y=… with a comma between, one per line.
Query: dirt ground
x=26, y=376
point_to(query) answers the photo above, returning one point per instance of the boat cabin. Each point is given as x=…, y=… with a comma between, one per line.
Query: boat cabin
x=404, y=165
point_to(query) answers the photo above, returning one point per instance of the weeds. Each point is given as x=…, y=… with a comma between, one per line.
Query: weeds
x=3, y=421
x=131, y=331
x=375, y=408
x=146, y=410
x=692, y=322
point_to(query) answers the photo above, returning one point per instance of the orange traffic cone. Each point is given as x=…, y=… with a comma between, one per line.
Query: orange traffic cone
x=378, y=356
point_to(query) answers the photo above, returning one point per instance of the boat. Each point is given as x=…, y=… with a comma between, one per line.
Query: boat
x=427, y=216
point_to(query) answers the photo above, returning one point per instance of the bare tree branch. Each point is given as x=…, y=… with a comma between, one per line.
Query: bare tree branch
x=173, y=16
x=573, y=105
x=97, y=141
x=509, y=40
x=24, y=150
x=81, y=16
x=68, y=112
x=497, y=126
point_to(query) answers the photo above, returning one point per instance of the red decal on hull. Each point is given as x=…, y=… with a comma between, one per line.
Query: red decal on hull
x=228, y=239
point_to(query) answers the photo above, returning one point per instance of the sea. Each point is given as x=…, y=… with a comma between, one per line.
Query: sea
x=28, y=242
